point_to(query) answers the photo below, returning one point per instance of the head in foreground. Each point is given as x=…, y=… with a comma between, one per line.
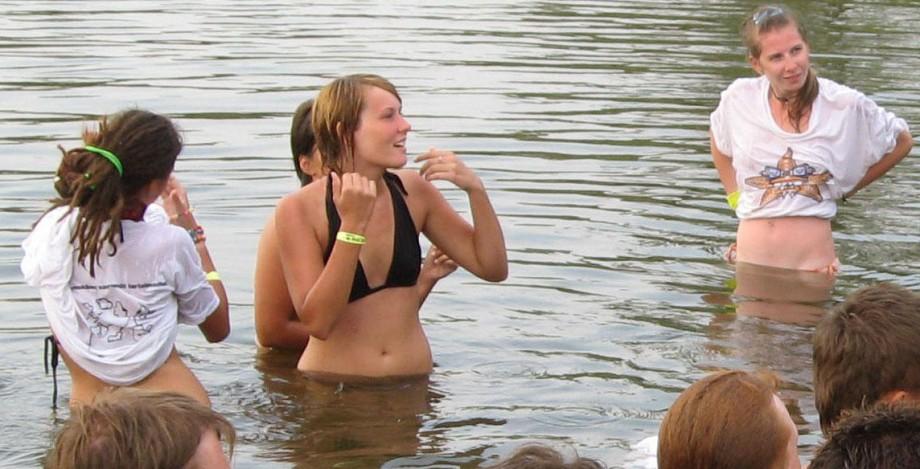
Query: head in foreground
x=729, y=419
x=882, y=437
x=143, y=430
x=538, y=456
x=866, y=351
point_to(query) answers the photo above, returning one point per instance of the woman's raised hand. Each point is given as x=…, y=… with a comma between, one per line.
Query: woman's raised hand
x=175, y=202
x=354, y=196
x=446, y=166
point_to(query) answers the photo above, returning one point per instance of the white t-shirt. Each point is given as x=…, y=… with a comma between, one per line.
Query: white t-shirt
x=781, y=173
x=121, y=325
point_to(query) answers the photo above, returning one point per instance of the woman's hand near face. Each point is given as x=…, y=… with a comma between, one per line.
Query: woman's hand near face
x=354, y=196
x=446, y=166
x=175, y=201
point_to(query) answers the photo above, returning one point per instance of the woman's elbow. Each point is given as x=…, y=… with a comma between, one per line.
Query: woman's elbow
x=217, y=327
x=496, y=274
x=217, y=334
x=314, y=327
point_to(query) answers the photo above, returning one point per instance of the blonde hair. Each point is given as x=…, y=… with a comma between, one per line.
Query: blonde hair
x=137, y=429
x=725, y=420
x=337, y=115
x=764, y=19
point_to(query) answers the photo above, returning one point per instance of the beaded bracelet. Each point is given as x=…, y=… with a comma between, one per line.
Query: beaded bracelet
x=197, y=234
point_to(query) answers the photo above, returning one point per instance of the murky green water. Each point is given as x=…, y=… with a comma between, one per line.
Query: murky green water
x=587, y=121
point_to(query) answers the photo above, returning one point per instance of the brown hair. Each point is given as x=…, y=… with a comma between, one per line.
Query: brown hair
x=303, y=141
x=337, y=115
x=764, y=19
x=725, y=420
x=866, y=347
x=146, y=144
x=137, y=429
x=882, y=437
x=538, y=456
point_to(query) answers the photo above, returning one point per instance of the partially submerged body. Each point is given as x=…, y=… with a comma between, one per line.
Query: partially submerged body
x=788, y=145
x=363, y=319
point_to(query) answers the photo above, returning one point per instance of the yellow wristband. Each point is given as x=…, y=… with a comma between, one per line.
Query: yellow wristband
x=350, y=238
x=212, y=276
x=733, y=199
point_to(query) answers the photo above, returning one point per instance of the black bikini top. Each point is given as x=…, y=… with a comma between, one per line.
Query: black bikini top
x=407, y=255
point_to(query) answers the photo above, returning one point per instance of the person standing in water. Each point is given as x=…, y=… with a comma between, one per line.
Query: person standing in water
x=349, y=243
x=787, y=145
x=115, y=277
x=276, y=321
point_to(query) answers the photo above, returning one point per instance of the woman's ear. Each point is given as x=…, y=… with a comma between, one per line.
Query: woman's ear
x=897, y=396
x=312, y=164
x=755, y=64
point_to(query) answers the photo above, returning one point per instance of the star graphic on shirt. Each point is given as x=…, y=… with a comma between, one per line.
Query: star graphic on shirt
x=788, y=179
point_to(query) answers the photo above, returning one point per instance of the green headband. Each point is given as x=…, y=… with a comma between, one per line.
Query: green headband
x=107, y=155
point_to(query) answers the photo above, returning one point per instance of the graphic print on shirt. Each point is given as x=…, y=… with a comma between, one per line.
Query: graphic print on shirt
x=135, y=323
x=788, y=179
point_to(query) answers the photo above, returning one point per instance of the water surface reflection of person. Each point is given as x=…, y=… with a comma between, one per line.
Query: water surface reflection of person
x=310, y=423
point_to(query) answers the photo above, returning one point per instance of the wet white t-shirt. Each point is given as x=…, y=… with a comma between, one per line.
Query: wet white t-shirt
x=781, y=173
x=121, y=325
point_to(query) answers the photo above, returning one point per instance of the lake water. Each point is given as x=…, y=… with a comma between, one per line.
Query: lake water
x=587, y=122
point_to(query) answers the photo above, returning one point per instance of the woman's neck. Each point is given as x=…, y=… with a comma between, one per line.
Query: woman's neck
x=134, y=210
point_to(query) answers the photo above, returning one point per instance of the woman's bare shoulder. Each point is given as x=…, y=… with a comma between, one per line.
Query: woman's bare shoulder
x=413, y=181
x=306, y=198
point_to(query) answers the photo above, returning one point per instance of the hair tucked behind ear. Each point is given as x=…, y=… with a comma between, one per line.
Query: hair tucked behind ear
x=147, y=145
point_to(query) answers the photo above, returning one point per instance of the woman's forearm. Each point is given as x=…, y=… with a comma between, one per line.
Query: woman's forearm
x=488, y=240
x=724, y=167
x=904, y=143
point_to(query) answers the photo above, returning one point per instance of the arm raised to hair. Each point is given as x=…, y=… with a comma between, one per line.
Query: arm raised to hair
x=175, y=202
x=320, y=292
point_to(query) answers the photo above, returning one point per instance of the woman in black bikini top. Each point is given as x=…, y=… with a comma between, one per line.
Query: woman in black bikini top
x=349, y=244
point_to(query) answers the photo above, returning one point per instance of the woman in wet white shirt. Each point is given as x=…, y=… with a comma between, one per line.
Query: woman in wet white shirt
x=116, y=279
x=787, y=145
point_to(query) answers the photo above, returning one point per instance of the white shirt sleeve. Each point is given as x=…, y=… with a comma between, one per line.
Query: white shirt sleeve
x=875, y=134
x=195, y=296
x=718, y=126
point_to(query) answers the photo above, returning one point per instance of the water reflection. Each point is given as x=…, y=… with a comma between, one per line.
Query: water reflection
x=587, y=121
x=764, y=321
x=314, y=424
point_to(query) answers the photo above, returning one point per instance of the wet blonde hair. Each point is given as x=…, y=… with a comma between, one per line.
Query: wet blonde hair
x=337, y=115
x=137, y=429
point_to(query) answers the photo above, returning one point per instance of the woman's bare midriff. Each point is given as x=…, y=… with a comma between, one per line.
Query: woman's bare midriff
x=378, y=336
x=799, y=243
